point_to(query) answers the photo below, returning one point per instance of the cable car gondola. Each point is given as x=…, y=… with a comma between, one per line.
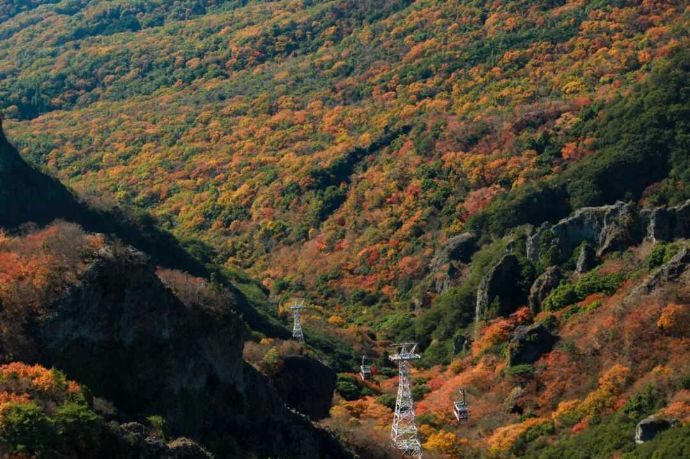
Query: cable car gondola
x=365, y=370
x=460, y=407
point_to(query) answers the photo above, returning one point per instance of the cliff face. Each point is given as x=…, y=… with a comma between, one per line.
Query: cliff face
x=122, y=333
x=306, y=385
x=609, y=228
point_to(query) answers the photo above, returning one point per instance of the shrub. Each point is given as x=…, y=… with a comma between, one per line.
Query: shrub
x=567, y=414
x=661, y=253
x=24, y=427
x=675, y=319
x=445, y=442
x=522, y=371
x=506, y=438
x=419, y=391
x=159, y=426
x=568, y=293
x=561, y=296
x=79, y=424
x=349, y=387
x=643, y=402
x=599, y=441
x=272, y=362
x=428, y=419
x=610, y=385
x=594, y=282
x=387, y=400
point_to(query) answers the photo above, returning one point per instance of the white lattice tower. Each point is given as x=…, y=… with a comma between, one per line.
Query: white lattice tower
x=297, y=307
x=404, y=430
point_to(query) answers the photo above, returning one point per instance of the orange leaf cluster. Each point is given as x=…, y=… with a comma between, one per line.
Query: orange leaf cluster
x=445, y=442
x=675, y=319
x=504, y=438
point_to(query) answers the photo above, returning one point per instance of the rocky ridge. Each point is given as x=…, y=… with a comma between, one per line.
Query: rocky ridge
x=125, y=335
x=588, y=234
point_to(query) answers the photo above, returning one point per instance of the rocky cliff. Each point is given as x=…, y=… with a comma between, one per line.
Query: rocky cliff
x=500, y=292
x=608, y=228
x=121, y=332
x=306, y=385
x=585, y=236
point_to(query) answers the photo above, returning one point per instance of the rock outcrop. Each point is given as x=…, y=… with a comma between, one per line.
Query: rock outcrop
x=306, y=385
x=529, y=342
x=461, y=247
x=668, y=272
x=542, y=286
x=446, y=263
x=669, y=223
x=650, y=427
x=586, y=259
x=134, y=441
x=499, y=293
x=461, y=343
x=127, y=337
x=607, y=228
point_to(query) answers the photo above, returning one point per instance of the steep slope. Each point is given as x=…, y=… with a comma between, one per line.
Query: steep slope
x=419, y=170
x=100, y=313
x=244, y=123
x=601, y=355
x=642, y=157
x=45, y=414
x=29, y=196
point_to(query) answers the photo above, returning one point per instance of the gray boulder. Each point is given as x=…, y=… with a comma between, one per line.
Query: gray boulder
x=528, y=343
x=659, y=224
x=542, y=286
x=650, y=427
x=623, y=228
x=499, y=293
x=461, y=247
x=461, y=343
x=681, y=223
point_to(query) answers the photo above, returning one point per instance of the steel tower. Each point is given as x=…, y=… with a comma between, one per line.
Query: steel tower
x=404, y=431
x=297, y=307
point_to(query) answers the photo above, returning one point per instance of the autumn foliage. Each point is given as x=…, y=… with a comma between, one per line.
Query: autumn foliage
x=323, y=147
x=675, y=319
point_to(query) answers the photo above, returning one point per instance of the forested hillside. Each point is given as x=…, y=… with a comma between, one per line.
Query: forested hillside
x=328, y=147
x=477, y=176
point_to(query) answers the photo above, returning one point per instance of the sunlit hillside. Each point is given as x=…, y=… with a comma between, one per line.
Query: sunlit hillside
x=505, y=183
x=325, y=146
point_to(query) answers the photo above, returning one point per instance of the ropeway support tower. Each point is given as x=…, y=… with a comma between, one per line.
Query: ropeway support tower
x=404, y=434
x=297, y=308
